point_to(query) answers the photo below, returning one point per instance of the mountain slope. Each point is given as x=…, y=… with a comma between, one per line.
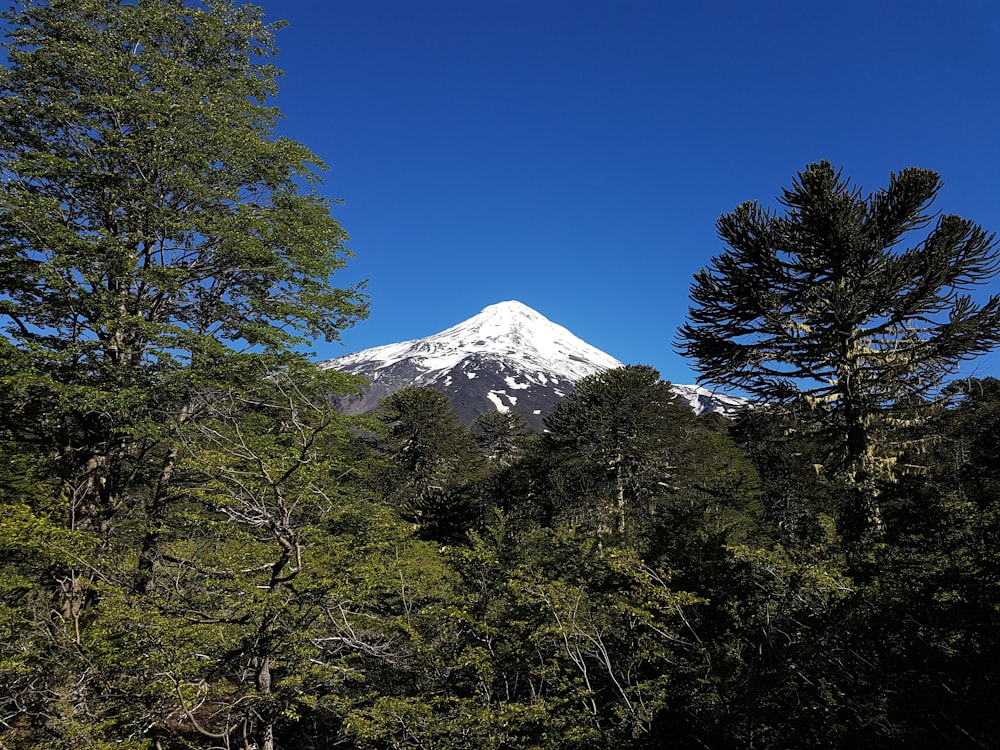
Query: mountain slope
x=508, y=357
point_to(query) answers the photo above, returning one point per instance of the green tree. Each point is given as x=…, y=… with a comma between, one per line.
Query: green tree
x=554, y=641
x=790, y=666
x=433, y=463
x=713, y=501
x=932, y=597
x=161, y=250
x=614, y=435
x=820, y=305
x=151, y=225
x=974, y=432
x=511, y=448
x=796, y=499
x=502, y=436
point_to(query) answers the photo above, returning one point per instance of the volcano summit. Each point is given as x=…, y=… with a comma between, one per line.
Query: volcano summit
x=508, y=357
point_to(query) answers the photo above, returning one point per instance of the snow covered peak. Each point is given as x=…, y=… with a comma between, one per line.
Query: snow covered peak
x=509, y=331
x=506, y=315
x=500, y=324
x=507, y=358
x=509, y=307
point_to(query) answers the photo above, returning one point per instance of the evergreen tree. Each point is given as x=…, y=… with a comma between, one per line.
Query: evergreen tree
x=611, y=441
x=819, y=305
x=796, y=499
x=433, y=463
x=512, y=451
x=502, y=436
x=933, y=593
x=974, y=432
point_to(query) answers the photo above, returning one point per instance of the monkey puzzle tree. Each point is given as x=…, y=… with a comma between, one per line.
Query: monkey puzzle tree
x=613, y=442
x=822, y=305
x=432, y=463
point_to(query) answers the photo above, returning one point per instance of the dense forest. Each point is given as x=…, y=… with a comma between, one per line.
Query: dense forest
x=197, y=550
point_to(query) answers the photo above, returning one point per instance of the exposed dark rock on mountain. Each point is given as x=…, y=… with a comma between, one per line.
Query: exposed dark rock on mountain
x=508, y=357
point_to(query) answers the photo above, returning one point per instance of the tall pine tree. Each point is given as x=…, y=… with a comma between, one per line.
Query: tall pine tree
x=836, y=305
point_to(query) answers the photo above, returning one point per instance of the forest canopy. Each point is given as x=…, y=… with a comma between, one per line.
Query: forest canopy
x=197, y=550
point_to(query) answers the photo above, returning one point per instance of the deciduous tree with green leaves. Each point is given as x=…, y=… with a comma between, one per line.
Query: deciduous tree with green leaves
x=162, y=248
x=844, y=304
x=152, y=224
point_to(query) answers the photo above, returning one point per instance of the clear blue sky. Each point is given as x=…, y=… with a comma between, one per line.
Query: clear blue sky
x=574, y=155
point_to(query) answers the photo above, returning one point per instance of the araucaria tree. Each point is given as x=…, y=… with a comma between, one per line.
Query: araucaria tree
x=616, y=429
x=854, y=306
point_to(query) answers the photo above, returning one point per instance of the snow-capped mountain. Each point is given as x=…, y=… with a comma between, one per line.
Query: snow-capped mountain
x=702, y=400
x=508, y=357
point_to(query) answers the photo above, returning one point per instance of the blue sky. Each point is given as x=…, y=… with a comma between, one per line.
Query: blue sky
x=574, y=155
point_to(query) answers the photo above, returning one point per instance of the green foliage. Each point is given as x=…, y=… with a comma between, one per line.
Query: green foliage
x=933, y=592
x=790, y=663
x=198, y=551
x=433, y=464
x=565, y=642
x=427, y=438
x=502, y=436
x=973, y=429
x=612, y=440
x=624, y=457
x=795, y=495
x=819, y=305
x=162, y=252
x=150, y=222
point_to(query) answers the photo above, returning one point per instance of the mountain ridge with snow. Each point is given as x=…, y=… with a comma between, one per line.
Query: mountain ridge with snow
x=507, y=357
x=509, y=329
